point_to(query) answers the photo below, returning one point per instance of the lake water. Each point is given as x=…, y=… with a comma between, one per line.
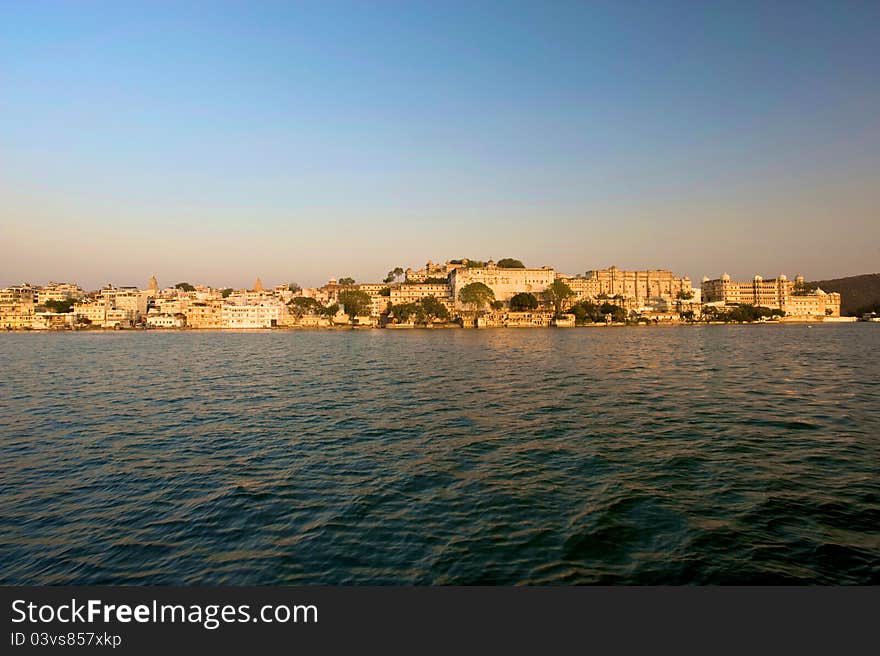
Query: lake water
x=714, y=454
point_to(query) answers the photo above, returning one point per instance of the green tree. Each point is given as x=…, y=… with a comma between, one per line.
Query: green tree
x=618, y=314
x=476, y=295
x=523, y=301
x=355, y=302
x=185, y=286
x=510, y=263
x=469, y=263
x=433, y=309
x=345, y=282
x=330, y=311
x=302, y=305
x=394, y=274
x=586, y=312
x=558, y=293
x=684, y=295
x=403, y=312
x=294, y=287
x=225, y=293
x=61, y=307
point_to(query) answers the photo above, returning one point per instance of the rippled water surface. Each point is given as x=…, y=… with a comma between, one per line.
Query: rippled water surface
x=719, y=454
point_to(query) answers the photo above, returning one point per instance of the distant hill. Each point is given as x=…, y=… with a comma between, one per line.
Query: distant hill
x=859, y=294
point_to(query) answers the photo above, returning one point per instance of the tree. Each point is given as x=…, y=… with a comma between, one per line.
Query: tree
x=294, y=287
x=345, y=282
x=477, y=295
x=497, y=305
x=185, y=286
x=510, y=263
x=302, y=305
x=469, y=263
x=404, y=311
x=684, y=295
x=394, y=274
x=523, y=301
x=800, y=288
x=62, y=307
x=618, y=314
x=558, y=293
x=225, y=293
x=330, y=311
x=433, y=309
x=355, y=302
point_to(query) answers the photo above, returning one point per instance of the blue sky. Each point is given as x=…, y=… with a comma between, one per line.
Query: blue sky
x=218, y=141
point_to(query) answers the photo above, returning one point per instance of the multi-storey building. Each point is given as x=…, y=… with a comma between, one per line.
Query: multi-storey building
x=16, y=316
x=17, y=307
x=126, y=298
x=638, y=285
x=163, y=320
x=205, y=314
x=58, y=291
x=817, y=303
x=772, y=293
x=53, y=320
x=413, y=292
x=262, y=315
x=172, y=305
x=18, y=294
x=777, y=293
x=504, y=283
x=120, y=318
x=95, y=311
x=433, y=271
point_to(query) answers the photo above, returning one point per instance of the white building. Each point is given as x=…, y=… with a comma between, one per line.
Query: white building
x=262, y=315
x=164, y=320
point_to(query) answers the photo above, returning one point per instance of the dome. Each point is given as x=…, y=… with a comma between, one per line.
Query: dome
x=725, y=277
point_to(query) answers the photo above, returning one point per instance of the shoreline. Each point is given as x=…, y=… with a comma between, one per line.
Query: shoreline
x=342, y=328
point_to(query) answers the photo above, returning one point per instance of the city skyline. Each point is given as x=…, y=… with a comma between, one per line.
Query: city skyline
x=300, y=142
x=165, y=282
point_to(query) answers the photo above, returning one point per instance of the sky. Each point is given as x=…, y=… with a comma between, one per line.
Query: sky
x=215, y=142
